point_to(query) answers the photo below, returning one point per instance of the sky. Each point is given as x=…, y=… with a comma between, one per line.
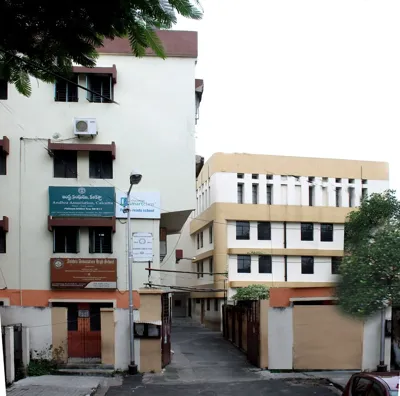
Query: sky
x=317, y=78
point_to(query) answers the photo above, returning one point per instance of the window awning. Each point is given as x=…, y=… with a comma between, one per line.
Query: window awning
x=83, y=147
x=4, y=223
x=5, y=144
x=81, y=222
x=97, y=70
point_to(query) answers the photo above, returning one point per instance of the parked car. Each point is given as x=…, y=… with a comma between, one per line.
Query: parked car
x=373, y=384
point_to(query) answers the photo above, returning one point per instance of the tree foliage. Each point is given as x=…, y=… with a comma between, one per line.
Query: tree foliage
x=252, y=292
x=43, y=37
x=370, y=271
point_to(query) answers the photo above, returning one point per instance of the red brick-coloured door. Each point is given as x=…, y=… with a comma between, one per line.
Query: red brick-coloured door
x=84, y=341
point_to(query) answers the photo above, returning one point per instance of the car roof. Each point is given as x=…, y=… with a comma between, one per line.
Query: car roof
x=391, y=379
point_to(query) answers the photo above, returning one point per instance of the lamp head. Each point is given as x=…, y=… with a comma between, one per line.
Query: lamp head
x=135, y=177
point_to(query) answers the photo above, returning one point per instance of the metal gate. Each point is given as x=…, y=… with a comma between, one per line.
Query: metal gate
x=253, y=333
x=84, y=332
x=166, y=330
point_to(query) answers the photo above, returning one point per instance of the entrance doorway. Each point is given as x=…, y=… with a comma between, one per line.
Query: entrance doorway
x=84, y=330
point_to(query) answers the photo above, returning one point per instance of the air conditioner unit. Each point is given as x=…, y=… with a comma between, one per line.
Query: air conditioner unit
x=85, y=127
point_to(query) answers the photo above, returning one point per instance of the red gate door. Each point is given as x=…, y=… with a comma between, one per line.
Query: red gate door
x=253, y=333
x=166, y=331
x=85, y=340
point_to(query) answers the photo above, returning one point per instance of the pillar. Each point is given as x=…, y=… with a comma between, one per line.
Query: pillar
x=9, y=346
x=26, y=356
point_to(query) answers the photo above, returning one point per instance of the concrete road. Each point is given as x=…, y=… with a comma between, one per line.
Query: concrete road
x=205, y=364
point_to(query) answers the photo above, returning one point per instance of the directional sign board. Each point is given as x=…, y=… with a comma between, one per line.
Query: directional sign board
x=142, y=247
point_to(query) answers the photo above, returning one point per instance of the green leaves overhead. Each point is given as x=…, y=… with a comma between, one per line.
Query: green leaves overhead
x=370, y=271
x=252, y=292
x=54, y=35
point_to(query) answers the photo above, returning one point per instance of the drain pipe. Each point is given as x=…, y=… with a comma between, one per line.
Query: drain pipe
x=285, y=246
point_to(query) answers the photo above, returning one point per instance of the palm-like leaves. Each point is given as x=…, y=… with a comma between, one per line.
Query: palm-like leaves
x=44, y=38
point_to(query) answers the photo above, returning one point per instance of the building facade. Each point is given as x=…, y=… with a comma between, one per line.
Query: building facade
x=66, y=157
x=273, y=220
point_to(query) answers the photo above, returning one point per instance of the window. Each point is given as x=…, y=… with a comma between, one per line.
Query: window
x=244, y=264
x=364, y=181
x=265, y=264
x=208, y=304
x=66, y=239
x=101, y=87
x=307, y=265
x=200, y=269
x=284, y=178
x=216, y=304
x=198, y=241
x=100, y=240
x=325, y=180
x=338, y=192
x=66, y=91
x=240, y=193
x=3, y=90
x=307, y=231
x=326, y=232
x=311, y=196
x=100, y=165
x=211, y=265
x=254, y=176
x=264, y=231
x=351, y=181
x=351, y=197
x=360, y=386
x=201, y=239
x=336, y=261
x=254, y=192
x=243, y=230
x=269, y=194
x=210, y=234
x=240, y=175
x=3, y=162
x=65, y=164
x=311, y=179
x=270, y=177
x=338, y=180
x=2, y=241
x=364, y=193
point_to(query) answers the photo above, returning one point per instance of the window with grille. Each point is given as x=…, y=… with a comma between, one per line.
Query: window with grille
x=244, y=264
x=336, y=262
x=66, y=91
x=2, y=241
x=201, y=239
x=307, y=231
x=326, y=232
x=66, y=239
x=3, y=90
x=254, y=191
x=198, y=241
x=240, y=193
x=269, y=194
x=211, y=265
x=242, y=230
x=65, y=164
x=100, y=240
x=3, y=162
x=101, y=88
x=307, y=265
x=210, y=234
x=265, y=264
x=264, y=230
x=100, y=165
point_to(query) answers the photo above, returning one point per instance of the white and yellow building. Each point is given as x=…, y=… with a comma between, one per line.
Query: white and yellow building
x=272, y=220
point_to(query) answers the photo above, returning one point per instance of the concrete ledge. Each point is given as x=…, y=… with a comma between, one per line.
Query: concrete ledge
x=151, y=291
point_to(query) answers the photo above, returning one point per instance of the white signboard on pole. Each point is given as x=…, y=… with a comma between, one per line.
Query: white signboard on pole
x=142, y=247
x=144, y=205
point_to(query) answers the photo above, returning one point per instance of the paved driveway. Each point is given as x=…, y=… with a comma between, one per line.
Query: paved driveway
x=205, y=364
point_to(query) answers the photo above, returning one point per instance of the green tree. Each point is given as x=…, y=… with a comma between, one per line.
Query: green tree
x=43, y=37
x=252, y=292
x=370, y=271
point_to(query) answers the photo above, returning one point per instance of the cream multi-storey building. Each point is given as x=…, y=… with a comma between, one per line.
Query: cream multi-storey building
x=272, y=220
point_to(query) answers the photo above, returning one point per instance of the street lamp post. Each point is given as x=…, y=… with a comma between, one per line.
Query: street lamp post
x=134, y=178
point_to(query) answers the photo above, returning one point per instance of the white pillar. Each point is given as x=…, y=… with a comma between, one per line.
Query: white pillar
x=9, y=344
x=26, y=356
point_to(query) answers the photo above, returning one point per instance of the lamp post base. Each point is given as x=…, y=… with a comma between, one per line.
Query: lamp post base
x=381, y=368
x=132, y=369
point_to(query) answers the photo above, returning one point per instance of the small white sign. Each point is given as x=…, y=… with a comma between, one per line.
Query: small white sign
x=144, y=205
x=142, y=247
